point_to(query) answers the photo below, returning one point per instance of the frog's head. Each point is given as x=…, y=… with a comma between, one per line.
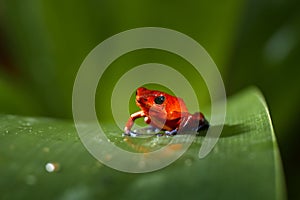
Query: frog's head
x=158, y=101
x=146, y=99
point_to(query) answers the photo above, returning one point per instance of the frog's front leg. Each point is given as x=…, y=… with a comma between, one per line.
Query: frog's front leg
x=172, y=132
x=130, y=122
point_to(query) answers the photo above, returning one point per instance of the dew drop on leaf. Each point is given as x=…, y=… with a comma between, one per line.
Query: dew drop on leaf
x=52, y=167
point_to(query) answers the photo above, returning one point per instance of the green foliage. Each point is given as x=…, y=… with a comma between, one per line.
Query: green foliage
x=48, y=40
x=244, y=164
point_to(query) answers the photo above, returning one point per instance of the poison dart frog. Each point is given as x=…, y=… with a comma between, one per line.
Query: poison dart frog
x=165, y=112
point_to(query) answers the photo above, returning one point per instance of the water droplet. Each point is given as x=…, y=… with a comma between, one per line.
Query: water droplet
x=108, y=157
x=153, y=144
x=141, y=164
x=46, y=149
x=52, y=167
x=188, y=162
x=10, y=117
x=30, y=180
x=25, y=123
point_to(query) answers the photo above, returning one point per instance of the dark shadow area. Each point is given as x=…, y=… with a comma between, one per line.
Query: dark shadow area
x=227, y=131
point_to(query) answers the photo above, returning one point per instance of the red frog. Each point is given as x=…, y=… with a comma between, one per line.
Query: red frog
x=164, y=112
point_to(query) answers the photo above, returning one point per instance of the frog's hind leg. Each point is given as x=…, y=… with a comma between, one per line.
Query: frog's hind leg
x=204, y=125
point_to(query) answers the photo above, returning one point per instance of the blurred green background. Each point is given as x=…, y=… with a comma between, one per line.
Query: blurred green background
x=43, y=43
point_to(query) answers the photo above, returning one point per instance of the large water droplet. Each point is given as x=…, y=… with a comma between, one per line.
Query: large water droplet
x=52, y=167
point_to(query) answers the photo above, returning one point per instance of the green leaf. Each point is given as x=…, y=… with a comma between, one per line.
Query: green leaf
x=244, y=164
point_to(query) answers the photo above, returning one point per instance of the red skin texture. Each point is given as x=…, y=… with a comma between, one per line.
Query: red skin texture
x=171, y=115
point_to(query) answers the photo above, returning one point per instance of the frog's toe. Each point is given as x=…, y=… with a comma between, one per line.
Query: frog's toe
x=130, y=133
x=171, y=133
x=159, y=134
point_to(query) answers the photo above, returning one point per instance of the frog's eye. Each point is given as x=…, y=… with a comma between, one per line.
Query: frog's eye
x=159, y=100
